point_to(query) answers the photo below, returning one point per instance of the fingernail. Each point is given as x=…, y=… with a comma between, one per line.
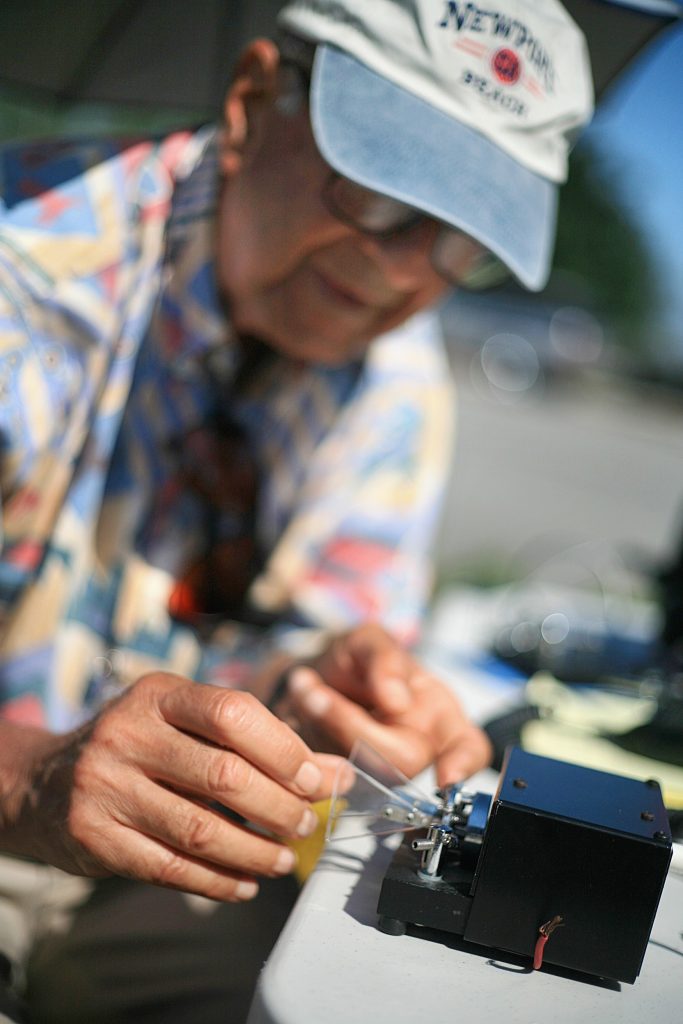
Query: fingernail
x=310, y=696
x=346, y=777
x=246, y=890
x=303, y=686
x=315, y=703
x=286, y=859
x=308, y=778
x=340, y=768
x=308, y=823
x=421, y=680
x=396, y=694
x=300, y=680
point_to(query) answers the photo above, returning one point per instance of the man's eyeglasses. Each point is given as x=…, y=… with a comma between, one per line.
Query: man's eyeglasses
x=456, y=256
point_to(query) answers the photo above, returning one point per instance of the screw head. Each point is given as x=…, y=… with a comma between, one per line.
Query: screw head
x=647, y=815
x=520, y=784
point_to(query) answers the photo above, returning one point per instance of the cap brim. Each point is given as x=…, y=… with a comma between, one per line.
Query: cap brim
x=381, y=136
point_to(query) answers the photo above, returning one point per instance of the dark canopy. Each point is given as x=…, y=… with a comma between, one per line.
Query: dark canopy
x=178, y=54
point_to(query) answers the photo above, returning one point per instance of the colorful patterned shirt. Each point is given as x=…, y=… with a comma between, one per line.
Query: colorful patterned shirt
x=172, y=496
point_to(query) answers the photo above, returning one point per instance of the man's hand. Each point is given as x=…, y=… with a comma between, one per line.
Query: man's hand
x=131, y=793
x=365, y=686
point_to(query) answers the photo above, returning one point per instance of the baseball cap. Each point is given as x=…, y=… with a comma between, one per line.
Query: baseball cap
x=466, y=113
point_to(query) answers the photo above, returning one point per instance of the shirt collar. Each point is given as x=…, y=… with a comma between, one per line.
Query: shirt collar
x=195, y=325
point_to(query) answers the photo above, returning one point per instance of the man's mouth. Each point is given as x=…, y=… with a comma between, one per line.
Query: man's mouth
x=347, y=294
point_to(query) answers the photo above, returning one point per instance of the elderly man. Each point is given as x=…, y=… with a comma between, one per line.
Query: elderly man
x=225, y=425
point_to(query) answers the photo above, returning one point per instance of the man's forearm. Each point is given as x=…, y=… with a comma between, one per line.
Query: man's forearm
x=23, y=750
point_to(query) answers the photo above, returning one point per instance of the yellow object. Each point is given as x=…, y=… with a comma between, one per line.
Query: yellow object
x=571, y=731
x=308, y=850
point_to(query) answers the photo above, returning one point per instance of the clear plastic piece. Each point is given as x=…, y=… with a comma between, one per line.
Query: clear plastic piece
x=379, y=801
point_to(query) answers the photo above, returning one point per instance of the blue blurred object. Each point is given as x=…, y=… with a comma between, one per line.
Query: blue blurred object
x=580, y=654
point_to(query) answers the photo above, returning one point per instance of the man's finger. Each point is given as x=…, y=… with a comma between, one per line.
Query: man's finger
x=191, y=765
x=369, y=666
x=238, y=721
x=344, y=722
x=472, y=753
x=134, y=855
x=195, y=830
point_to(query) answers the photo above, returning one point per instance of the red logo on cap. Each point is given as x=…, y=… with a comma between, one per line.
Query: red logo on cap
x=506, y=66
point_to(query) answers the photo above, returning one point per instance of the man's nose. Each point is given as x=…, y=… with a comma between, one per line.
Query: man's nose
x=404, y=257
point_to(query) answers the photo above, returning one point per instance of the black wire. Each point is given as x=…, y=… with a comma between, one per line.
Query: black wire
x=506, y=730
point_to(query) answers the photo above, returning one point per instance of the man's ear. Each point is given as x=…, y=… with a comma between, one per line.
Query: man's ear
x=253, y=88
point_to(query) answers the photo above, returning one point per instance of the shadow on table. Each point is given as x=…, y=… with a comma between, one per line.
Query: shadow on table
x=503, y=961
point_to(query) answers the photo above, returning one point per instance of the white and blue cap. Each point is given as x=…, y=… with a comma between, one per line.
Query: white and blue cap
x=462, y=111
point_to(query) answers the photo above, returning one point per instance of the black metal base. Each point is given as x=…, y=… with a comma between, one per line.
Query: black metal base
x=407, y=897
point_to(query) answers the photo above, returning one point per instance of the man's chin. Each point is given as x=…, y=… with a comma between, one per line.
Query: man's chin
x=316, y=349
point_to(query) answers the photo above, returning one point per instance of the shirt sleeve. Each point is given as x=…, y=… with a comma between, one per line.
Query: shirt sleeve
x=358, y=543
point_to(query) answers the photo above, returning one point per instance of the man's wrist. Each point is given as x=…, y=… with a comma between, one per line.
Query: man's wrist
x=23, y=750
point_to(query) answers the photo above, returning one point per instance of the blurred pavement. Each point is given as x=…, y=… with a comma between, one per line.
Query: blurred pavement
x=538, y=474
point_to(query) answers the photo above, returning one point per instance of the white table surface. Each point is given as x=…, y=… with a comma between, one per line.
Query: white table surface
x=331, y=964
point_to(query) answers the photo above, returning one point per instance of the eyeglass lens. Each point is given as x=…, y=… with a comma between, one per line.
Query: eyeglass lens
x=456, y=256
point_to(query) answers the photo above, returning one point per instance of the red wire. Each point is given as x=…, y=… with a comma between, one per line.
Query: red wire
x=538, y=951
x=544, y=933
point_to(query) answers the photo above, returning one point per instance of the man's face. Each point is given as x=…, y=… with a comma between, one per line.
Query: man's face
x=295, y=276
